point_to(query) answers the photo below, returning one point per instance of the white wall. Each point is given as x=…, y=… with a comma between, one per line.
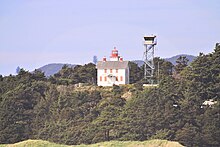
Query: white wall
x=109, y=82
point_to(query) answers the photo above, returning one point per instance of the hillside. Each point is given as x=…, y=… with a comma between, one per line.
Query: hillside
x=70, y=109
x=150, y=143
x=51, y=69
x=171, y=59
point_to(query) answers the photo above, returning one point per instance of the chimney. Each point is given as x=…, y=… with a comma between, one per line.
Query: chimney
x=120, y=59
x=104, y=59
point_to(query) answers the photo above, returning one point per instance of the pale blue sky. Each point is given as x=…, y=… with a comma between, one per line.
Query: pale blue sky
x=38, y=32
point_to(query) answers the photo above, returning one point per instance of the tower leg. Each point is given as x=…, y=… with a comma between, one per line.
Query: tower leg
x=149, y=63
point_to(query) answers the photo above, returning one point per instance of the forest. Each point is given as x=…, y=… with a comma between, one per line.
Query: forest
x=59, y=110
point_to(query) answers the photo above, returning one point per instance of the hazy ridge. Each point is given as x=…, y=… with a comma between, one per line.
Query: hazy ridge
x=53, y=68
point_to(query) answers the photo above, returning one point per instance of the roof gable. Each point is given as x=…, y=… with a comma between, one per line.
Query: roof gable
x=112, y=65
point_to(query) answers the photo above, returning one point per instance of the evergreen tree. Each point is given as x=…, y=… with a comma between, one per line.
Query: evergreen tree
x=182, y=62
x=136, y=73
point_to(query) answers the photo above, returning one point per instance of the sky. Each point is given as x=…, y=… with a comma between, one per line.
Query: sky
x=34, y=33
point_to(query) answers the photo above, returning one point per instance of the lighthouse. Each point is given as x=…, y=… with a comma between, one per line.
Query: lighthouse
x=113, y=72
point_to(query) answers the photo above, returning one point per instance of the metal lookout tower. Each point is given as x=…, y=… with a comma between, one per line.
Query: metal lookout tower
x=149, y=43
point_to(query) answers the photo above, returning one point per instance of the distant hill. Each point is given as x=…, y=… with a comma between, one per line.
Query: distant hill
x=171, y=59
x=138, y=62
x=51, y=69
x=149, y=143
x=174, y=58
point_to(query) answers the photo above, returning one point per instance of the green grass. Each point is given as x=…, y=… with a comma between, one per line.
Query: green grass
x=34, y=143
x=149, y=143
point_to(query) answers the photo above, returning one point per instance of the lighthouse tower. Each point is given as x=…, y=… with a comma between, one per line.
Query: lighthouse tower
x=114, y=56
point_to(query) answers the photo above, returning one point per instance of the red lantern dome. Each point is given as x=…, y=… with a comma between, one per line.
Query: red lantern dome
x=114, y=54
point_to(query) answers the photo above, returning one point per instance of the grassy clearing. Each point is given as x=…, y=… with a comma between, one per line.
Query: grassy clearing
x=149, y=143
x=34, y=143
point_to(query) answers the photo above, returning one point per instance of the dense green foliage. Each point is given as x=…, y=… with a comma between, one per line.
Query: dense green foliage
x=54, y=109
x=163, y=68
x=78, y=74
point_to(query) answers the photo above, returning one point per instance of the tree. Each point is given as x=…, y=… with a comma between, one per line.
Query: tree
x=189, y=135
x=136, y=73
x=107, y=122
x=1, y=77
x=38, y=75
x=79, y=74
x=65, y=66
x=182, y=62
x=162, y=68
x=210, y=129
x=16, y=113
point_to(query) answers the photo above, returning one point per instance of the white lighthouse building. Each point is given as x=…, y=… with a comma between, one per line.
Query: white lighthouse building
x=113, y=72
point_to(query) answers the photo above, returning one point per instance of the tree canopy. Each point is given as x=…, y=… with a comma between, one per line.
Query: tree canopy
x=54, y=109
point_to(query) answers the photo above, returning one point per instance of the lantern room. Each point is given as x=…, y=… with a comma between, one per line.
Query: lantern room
x=114, y=52
x=114, y=55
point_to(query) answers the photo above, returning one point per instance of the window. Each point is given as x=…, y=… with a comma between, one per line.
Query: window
x=105, y=78
x=110, y=70
x=100, y=78
x=116, y=70
x=105, y=70
x=121, y=78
